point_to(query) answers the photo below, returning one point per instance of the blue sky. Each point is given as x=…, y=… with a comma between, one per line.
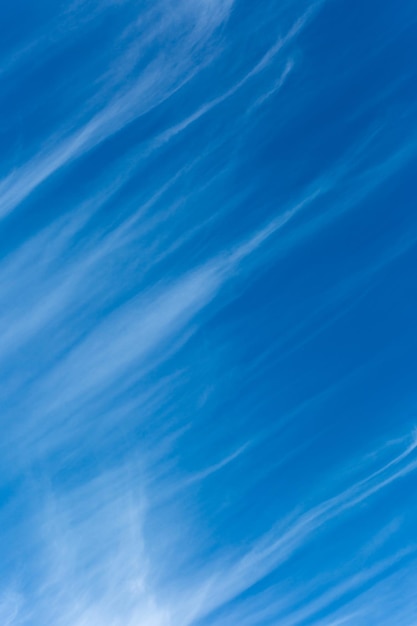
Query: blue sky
x=208, y=313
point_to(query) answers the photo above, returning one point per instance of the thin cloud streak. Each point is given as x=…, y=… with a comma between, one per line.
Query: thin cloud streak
x=204, y=230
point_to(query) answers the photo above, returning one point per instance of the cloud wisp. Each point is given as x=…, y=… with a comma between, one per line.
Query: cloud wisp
x=207, y=339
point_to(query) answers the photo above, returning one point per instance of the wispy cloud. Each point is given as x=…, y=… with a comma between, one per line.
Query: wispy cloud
x=100, y=540
x=161, y=79
x=202, y=240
